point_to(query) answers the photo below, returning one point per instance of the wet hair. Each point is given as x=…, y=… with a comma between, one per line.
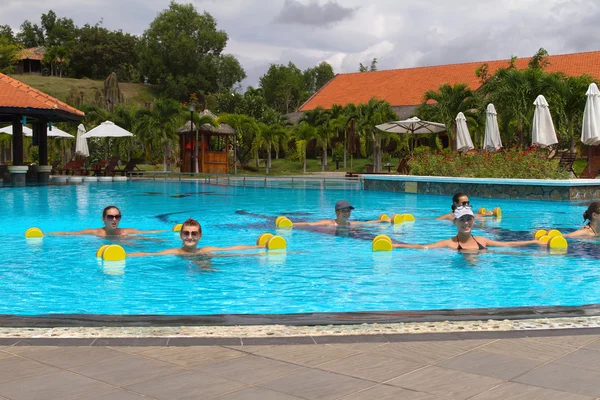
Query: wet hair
x=108, y=208
x=593, y=208
x=455, y=199
x=192, y=222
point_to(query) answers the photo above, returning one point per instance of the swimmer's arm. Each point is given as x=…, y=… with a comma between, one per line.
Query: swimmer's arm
x=578, y=233
x=83, y=232
x=445, y=217
x=374, y=221
x=323, y=222
x=436, y=245
x=132, y=231
x=160, y=253
x=524, y=243
x=232, y=248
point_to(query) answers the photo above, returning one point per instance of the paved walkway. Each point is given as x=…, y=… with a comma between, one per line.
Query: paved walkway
x=561, y=367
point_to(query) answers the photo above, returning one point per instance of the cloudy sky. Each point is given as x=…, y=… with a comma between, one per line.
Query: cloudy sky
x=399, y=33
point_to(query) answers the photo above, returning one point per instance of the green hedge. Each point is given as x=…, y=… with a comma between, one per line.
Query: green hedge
x=507, y=163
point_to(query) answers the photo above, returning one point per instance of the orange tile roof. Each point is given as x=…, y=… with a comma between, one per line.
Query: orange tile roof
x=402, y=87
x=17, y=95
x=32, y=53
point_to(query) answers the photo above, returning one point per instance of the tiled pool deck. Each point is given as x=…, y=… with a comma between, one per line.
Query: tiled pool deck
x=453, y=360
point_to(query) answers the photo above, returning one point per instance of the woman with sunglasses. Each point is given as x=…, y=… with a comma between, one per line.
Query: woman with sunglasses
x=461, y=200
x=111, y=217
x=190, y=234
x=592, y=228
x=463, y=219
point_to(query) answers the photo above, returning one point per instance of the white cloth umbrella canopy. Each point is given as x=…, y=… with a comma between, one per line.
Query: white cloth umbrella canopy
x=590, y=131
x=412, y=125
x=81, y=146
x=463, y=137
x=542, y=132
x=491, y=141
x=107, y=129
x=9, y=130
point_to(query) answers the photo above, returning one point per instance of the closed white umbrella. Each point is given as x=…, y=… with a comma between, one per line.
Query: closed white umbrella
x=463, y=137
x=107, y=129
x=491, y=141
x=542, y=132
x=590, y=131
x=81, y=146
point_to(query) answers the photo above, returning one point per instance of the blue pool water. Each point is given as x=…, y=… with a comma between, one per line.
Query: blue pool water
x=319, y=272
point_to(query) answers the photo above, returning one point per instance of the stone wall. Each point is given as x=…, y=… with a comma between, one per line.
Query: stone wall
x=487, y=190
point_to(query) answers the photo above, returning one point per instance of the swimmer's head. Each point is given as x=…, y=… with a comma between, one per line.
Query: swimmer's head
x=594, y=208
x=190, y=233
x=111, y=216
x=459, y=199
x=463, y=213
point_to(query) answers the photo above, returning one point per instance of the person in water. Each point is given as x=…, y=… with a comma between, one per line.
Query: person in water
x=190, y=234
x=464, y=239
x=343, y=210
x=111, y=217
x=462, y=200
x=592, y=228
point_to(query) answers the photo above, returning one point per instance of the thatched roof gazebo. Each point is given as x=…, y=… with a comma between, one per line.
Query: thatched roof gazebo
x=213, y=146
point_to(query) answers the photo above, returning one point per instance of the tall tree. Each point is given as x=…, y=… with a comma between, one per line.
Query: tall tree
x=30, y=35
x=283, y=87
x=444, y=104
x=270, y=135
x=182, y=52
x=248, y=133
x=160, y=123
x=319, y=119
x=316, y=77
x=370, y=68
x=6, y=31
x=373, y=113
x=303, y=133
x=8, y=55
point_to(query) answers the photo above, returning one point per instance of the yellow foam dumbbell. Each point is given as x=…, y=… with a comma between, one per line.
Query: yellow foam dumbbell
x=283, y=222
x=263, y=239
x=382, y=243
x=276, y=243
x=114, y=252
x=34, y=233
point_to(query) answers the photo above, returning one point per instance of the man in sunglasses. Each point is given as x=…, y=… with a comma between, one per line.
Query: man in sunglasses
x=190, y=235
x=462, y=200
x=111, y=217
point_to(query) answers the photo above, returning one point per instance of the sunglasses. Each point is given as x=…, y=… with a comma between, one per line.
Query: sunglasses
x=345, y=209
x=190, y=233
x=113, y=217
x=465, y=203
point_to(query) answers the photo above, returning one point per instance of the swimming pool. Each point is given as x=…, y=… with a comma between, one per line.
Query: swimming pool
x=319, y=272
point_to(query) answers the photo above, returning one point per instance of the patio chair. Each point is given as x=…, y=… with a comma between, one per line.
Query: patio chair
x=130, y=168
x=55, y=168
x=566, y=161
x=111, y=167
x=403, y=167
x=73, y=167
x=594, y=169
x=97, y=168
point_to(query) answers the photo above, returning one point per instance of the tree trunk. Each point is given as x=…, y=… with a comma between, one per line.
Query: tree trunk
x=166, y=153
x=324, y=158
x=277, y=150
x=268, y=163
x=304, y=162
x=374, y=151
x=345, y=147
x=257, y=160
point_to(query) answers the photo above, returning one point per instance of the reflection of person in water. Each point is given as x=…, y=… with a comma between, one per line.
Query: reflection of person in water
x=190, y=234
x=111, y=217
x=592, y=228
x=343, y=209
x=462, y=200
x=464, y=239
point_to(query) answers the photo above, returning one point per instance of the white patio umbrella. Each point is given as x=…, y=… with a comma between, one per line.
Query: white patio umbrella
x=463, y=138
x=590, y=131
x=81, y=146
x=9, y=130
x=412, y=125
x=542, y=132
x=107, y=129
x=491, y=141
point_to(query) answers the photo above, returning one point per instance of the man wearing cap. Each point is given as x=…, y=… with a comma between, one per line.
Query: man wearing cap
x=343, y=209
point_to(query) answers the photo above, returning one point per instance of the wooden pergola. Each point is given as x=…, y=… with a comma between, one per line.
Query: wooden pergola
x=213, y=147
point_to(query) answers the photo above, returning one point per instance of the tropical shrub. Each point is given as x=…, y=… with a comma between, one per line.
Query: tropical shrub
x=508, y=163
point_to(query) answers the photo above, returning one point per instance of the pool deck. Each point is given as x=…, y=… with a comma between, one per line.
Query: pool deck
x=550, y=364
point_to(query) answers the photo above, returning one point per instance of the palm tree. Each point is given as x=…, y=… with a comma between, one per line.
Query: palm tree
x=373, y=113
x=247, y=136
x=270, y=134
x=160, y=123
x=125, y=116
x=302, y=134
x=449, y=101
x=319, y=119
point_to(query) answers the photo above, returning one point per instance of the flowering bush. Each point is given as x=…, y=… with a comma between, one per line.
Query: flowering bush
x=508, y=163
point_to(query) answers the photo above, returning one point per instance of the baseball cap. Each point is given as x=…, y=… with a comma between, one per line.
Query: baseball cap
x=340, y=205
x=463, y=211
